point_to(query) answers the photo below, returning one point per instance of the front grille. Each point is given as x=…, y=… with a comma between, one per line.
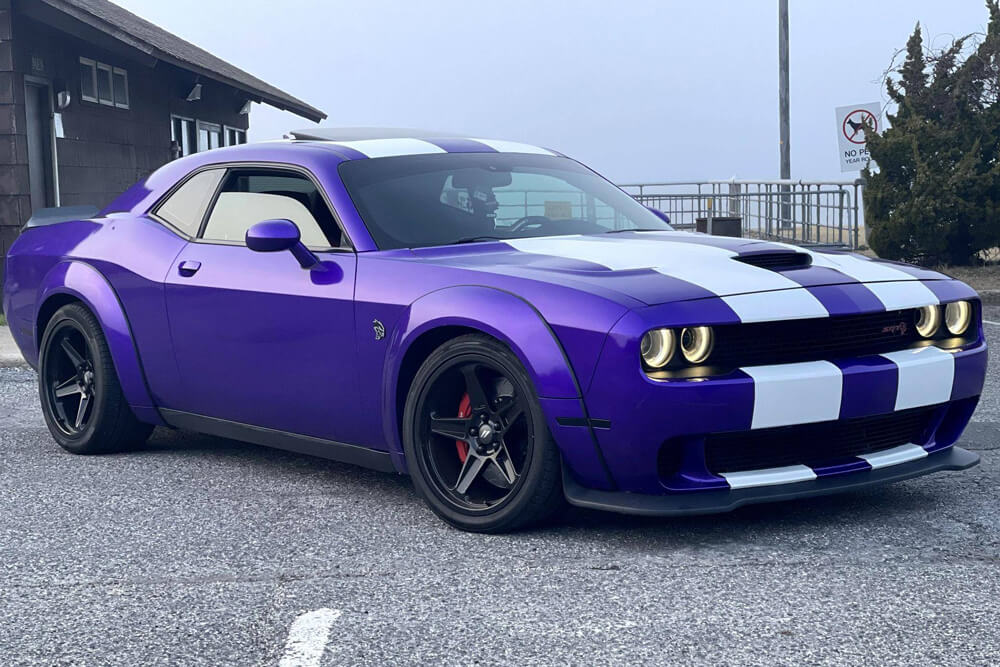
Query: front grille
x=808, y=340
x=776, y=261
x=813, y=444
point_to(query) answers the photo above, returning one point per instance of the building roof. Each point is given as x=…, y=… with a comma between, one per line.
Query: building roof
x=156, y=42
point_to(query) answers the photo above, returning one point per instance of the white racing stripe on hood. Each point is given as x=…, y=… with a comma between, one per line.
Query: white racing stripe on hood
x=896, y=296
x=791, y=304
x=755, y=294
x=894, y=288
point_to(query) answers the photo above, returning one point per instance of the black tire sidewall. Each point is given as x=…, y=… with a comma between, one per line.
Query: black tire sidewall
x=510, y=513
x=86, y=441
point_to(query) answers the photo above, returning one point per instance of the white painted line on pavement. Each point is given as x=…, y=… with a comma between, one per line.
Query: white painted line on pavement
x=307, y=638
x=996, y=324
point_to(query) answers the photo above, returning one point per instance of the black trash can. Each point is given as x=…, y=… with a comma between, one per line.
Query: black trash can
x=721, y=226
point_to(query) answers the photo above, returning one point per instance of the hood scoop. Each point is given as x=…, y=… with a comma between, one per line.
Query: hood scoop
x=777, y=261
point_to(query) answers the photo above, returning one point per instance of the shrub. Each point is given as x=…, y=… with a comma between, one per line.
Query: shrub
x=935, y=197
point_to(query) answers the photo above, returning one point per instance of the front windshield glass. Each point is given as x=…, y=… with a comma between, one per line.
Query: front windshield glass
x=416, y=201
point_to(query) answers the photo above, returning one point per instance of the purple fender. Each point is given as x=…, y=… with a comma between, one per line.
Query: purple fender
x=84, y=282
x=517, y=323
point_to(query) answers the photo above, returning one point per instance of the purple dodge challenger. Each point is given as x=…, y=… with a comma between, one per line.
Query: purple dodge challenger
x=494, y=319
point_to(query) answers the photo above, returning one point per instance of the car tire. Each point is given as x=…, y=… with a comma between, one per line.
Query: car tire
x=504, y=473
x=82, y=399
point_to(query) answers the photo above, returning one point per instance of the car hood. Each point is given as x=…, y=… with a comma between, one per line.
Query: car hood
x=661, y=267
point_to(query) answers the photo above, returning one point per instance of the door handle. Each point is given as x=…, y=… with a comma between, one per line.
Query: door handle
x=188, y=268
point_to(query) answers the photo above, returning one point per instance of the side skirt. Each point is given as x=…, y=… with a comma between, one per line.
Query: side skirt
x=293, y=442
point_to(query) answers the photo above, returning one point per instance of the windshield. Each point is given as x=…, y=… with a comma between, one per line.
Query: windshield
x=427, y=200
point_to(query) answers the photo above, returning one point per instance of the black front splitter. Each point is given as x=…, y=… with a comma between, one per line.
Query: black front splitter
x=726, y=500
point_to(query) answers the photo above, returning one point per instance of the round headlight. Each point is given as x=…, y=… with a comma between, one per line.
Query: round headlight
x=696, y=343
x=657, y=347
x=957, y=317
x=928, y=321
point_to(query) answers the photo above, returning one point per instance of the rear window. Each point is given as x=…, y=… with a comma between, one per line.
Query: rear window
x=185, y=208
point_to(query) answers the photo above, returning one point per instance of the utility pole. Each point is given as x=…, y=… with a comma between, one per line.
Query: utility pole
x=786, y=156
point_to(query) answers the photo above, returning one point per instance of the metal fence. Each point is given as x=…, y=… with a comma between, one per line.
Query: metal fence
x=825, y=212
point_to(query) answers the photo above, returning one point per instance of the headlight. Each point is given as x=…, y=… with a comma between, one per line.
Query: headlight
x=928, y=321
x=957, y=317
x=696, y=343
x=657, y=347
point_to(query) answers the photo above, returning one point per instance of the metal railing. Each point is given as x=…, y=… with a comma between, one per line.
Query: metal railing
x=825, y=212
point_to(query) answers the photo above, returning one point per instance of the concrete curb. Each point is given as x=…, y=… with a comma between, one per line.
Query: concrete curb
x=10, y=357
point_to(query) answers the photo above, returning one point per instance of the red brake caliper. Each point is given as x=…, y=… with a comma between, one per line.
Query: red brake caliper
x=464, y=411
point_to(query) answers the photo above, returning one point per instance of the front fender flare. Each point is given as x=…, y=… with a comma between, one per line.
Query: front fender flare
x=82, y=281
x=500, y=314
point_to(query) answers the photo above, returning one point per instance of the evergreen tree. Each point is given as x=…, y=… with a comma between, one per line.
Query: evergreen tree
x=935, y=197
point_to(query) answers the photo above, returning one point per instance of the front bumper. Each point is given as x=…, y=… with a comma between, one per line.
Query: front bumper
x=725, y=500
x=652, y=434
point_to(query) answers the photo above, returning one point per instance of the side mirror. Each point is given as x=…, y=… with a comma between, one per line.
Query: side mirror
x=659, y=214
x=279, y=235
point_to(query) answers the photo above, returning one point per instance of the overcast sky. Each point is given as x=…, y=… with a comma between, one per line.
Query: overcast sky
x=641, y=90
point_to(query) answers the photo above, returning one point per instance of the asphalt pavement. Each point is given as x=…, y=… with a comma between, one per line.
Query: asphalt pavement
x=202, y=551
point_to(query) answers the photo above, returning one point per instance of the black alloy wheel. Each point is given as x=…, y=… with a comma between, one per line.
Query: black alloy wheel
x=81, y=397
x=69, y=378
x=476, y=440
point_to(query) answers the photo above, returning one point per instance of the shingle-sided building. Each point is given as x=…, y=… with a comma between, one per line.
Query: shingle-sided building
x=94, y=98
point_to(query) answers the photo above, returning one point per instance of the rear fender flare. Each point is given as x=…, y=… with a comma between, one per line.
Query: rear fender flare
x=85, y=283
x=502, y=315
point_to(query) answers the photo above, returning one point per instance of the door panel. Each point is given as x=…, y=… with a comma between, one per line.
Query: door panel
x=38, y=116
x=259, y=340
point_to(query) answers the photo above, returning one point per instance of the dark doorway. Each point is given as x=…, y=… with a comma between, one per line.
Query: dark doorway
x=38, y=111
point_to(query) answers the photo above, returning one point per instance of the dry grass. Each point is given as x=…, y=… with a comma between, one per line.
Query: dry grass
x=3, y=320
x=979, y=278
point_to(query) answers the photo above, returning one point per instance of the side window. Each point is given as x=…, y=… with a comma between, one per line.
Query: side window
x=185, y=209
x=251, y=196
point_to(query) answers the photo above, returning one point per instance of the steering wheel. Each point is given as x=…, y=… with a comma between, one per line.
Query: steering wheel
x=529, y=221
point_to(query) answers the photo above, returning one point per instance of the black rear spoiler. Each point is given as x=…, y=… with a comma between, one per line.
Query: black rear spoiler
x=51, y=216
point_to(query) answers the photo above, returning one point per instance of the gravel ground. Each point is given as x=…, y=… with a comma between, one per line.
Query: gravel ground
x=205, y=551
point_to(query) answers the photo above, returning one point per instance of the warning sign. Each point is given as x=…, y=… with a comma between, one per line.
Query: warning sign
x=852, y=124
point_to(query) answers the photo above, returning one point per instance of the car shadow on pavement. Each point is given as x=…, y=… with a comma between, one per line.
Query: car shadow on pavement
x=859, y=511
x=277, y=464
x=868, y=508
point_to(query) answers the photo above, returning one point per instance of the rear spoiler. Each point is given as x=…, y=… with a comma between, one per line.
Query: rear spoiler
x=52, y=216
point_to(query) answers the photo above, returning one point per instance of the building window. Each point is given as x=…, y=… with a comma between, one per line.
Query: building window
x=194, y=136
x=235, y=136
x=182, y=132
x=104, y=95
x=103, y=84
x=209, y=136
x=119, y=79
x=88, y=80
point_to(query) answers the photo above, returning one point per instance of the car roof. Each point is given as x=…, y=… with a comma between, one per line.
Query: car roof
x=375, y=142
x=362, y=133
x=314, y=153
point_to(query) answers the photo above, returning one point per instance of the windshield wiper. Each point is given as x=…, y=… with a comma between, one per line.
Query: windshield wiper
x=475, y=239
